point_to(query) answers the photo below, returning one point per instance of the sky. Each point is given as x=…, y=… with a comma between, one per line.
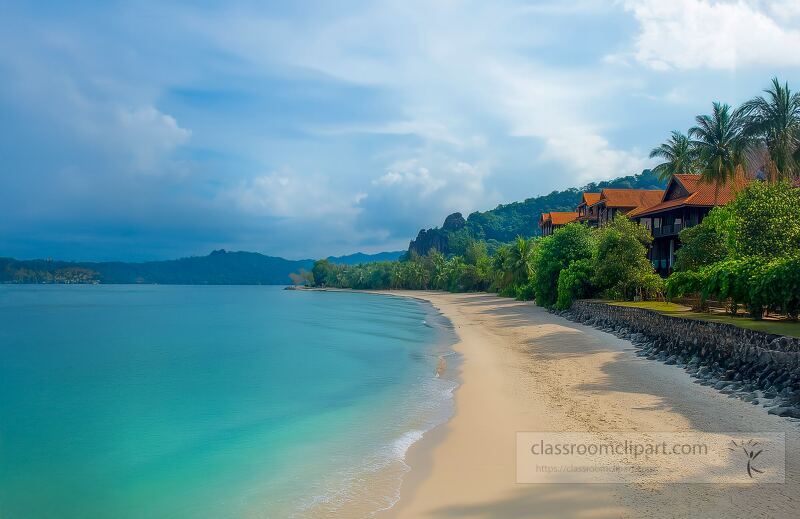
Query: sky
x=153, y=130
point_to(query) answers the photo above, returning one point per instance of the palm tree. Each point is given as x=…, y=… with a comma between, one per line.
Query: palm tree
x=679, y=154
x=774, y=123
x=520, y=260
x=721, y=146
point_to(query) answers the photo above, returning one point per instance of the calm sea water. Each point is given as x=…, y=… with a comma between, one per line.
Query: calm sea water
x=179, y=401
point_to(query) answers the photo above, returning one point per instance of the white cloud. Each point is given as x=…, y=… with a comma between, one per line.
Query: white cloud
x=150, y=133
x=409, y=174
x=456, y=69
x=591, y=157
x=426, y=189
x=692, y=34
x=285, y=194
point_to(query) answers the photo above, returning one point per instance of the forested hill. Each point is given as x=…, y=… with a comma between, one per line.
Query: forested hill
x=218, y=268
x=507, y=221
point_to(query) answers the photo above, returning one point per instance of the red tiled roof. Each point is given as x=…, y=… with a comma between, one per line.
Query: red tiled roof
x=557, y=218
x=590, y=198
x=701, y=194
x=563, y=218
x=631, y=197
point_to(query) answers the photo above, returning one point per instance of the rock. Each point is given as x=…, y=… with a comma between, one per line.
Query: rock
x=792, y=412
x=785, y=411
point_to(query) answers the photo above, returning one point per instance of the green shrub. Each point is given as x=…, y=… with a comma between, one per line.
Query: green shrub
x=685, y=283
x=706, y=243
x=766, y=220
x=777, y=286
x=622, y=268
x=735, y=280
x=570, y=243
x=650, y=286
x=526, y=292
x=575, y=282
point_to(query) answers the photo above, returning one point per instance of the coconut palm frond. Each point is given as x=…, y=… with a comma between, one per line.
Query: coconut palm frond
x=772, y=122
x=721, y=144
x=679, y=155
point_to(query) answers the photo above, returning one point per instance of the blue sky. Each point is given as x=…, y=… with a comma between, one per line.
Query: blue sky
x=138, y=130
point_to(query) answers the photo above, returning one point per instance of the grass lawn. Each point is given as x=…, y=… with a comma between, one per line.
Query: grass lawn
x=779, y=326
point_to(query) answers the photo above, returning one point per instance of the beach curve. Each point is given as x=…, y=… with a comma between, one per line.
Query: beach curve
x=524, y=369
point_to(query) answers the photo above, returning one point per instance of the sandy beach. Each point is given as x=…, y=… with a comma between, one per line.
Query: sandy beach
x=527, y=370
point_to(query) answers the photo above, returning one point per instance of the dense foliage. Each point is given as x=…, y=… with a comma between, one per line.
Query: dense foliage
x=747, y=253
x=622, y=270
x=575, y=262
x=570, y=243
x=766, y=220
x=706, y=243
x=751, y=282
x=575, y=282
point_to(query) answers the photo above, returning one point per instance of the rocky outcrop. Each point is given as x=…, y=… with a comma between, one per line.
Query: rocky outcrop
x=756, y=367
x=454, y=222
x=437, y=238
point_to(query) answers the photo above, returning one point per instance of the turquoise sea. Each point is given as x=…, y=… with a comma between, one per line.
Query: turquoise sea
x=212, y=401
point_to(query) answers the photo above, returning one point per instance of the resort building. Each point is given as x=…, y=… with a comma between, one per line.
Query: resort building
x=684, y=203
x=551, y=221
x=623, y=201
x=587, y=211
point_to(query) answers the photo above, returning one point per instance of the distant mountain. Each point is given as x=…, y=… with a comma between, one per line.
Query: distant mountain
x=359, y=257
x=218, y=268
x=507, y=221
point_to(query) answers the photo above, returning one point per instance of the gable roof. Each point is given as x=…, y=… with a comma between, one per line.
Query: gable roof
x=700, y=194
x=589, y=199
x=563, y=218
x=558, y=217
x=633, y=198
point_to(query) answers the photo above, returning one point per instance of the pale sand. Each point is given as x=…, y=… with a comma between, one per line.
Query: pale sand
x=527, y=370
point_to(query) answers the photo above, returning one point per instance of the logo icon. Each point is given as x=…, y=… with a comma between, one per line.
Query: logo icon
x=751, y=451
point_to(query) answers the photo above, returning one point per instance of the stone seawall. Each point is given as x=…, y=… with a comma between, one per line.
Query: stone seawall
x=756, y=367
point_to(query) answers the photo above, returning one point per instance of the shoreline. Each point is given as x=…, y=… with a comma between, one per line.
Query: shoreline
x=524, y=369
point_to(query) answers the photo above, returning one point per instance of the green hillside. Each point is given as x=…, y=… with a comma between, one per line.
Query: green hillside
x=507, y=221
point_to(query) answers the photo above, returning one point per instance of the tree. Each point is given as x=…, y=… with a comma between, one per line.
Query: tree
x=766, y=220
x=555, y=253
x=773, y=123
x=706, y=243
x=721, y=146
x=324, y=272
x=575, y=282
x=502, y=274
x=622, y=269
x=520, y=260
x=476, y=253
x=679, y=154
